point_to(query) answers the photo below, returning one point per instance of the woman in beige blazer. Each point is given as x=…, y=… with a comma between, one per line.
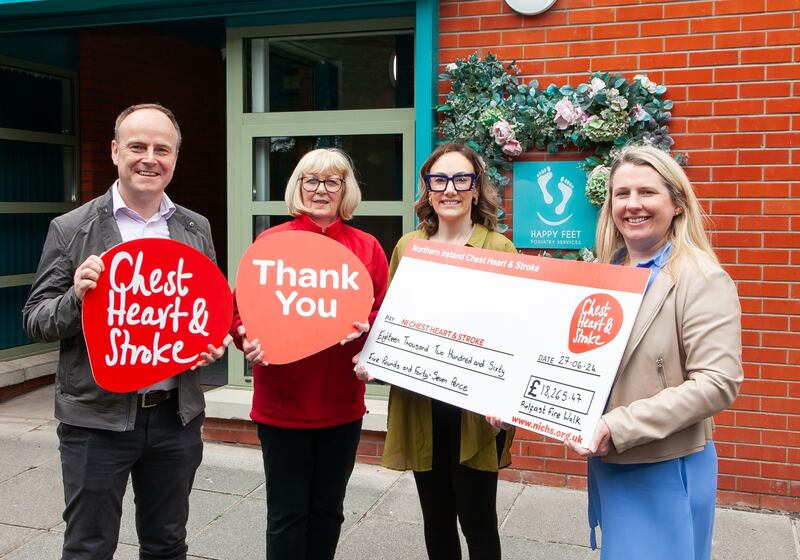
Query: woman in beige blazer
x=653, y=465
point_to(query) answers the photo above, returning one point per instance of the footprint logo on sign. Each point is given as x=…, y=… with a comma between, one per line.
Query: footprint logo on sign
x=565, y=189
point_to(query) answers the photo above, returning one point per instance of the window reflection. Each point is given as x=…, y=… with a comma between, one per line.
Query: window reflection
x=377, y=158
x=35, y=101
x=329, y=73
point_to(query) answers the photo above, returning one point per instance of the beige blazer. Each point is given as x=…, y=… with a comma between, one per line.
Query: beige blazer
x=682, y=365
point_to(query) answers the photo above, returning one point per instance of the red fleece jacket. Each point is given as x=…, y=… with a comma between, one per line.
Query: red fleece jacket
x=321, y=390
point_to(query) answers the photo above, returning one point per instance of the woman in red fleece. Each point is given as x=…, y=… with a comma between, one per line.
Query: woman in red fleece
x=309, y=412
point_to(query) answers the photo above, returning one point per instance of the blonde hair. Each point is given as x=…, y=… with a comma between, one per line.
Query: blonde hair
x=687, y=233
x=484, y=212
x=324, y=161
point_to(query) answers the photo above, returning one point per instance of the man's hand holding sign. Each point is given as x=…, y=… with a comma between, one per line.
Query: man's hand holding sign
x=152, y=308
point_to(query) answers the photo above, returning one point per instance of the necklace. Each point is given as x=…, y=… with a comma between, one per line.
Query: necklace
x=460, y=239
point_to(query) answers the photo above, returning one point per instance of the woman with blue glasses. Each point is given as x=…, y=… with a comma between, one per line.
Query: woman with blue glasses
x=455, y=454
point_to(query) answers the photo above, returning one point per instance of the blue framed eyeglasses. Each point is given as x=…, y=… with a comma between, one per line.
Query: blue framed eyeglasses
x=437, y=182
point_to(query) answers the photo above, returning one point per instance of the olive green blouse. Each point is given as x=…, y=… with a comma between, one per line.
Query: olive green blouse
x=409, y=437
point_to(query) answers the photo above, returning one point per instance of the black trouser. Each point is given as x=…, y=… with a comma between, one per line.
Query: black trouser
x=161, y=456
x=307, y=472
x=451, y=491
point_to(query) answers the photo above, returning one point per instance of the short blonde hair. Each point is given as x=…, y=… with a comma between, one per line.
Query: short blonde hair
x=324, y=161
x=687, y=233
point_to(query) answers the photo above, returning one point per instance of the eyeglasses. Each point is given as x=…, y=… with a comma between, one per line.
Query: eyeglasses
x=437, y=182
x=311, y=184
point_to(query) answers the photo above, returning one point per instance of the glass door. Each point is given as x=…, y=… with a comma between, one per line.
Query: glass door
x=292, y=89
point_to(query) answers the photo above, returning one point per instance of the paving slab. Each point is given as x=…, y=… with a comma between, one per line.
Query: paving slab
x=27, y=451
x=368, y=485
x=402, y=503
x=235, y=534
x=204, y=508
x=382, y=538
x=48, y=546
x=518, y=548
x=36, y=404
x=745, y=535
x=13, y=537
x=33, y=498
x=13, y=426
x=228, y=480
x=9, y=471
x=546, y=514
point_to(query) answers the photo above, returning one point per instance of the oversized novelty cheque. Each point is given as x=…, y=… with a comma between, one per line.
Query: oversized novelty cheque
x=299, y=292
x=158, y=304
x=535, y=341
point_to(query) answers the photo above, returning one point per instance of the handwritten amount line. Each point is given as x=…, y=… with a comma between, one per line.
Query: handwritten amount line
x=443, y=362
x=448, y=338
x=568, y=368
x=456, y=391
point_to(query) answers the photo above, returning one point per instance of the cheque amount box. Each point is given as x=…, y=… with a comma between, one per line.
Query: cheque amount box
x=569, y=397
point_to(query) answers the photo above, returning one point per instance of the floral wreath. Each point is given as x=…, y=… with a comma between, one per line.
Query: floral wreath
x=489, y=109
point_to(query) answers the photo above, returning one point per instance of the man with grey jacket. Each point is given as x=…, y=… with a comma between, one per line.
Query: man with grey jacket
x=152, y=435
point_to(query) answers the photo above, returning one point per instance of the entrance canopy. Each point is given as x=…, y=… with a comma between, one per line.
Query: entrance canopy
x=38, y=15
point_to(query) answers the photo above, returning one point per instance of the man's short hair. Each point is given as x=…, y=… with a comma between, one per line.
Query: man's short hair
x=158, y=107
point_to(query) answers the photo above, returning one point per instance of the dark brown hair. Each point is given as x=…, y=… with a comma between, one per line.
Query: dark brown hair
x=484, y=212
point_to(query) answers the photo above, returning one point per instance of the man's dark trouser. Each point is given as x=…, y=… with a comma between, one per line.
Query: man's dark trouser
x=161, y=457
x=306, y=472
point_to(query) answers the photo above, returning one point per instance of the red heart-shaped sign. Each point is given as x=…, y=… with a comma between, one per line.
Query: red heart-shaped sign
x=595, y=323
x=157, y=305
x=300, y=292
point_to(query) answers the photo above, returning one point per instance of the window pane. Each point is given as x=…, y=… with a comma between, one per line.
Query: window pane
x=33, y=172
x=261, y=223
x=386, y=229
x=329, y=73
x=22, y=241
x=11, y=302
x=34, y=101
x=378, y=161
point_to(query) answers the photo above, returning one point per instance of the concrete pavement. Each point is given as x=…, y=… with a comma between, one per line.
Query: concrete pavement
x=383, y=521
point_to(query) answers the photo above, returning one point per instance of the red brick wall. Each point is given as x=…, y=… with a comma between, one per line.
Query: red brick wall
x=121, y=66
x=733, y=69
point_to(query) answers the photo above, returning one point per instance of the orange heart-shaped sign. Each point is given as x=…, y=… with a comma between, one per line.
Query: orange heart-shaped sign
x=300, y=292
x=157, y=305
x=595, y=323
